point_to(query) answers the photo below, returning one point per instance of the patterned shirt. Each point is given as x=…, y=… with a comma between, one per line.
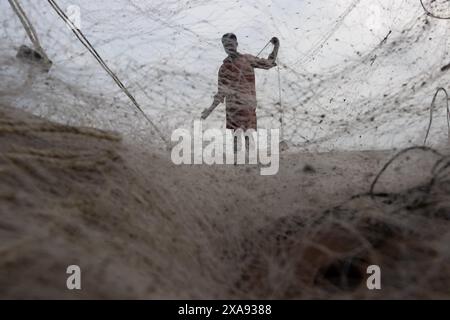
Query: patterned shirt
x=237, y=86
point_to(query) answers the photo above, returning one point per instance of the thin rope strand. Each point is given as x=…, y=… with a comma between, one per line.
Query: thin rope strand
x=96, y=55
x=431, y=114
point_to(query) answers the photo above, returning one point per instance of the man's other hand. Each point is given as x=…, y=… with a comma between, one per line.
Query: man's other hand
x=206, y=113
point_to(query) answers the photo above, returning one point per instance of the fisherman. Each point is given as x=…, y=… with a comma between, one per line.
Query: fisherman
x=237, y=84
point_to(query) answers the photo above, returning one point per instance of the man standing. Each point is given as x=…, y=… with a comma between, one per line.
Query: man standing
x=237, y=84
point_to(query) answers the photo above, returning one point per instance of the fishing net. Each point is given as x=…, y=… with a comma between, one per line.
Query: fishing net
x=353, y=75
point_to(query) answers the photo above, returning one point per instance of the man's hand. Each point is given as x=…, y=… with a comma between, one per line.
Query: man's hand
x=275, y=41
x=273, y=56
x=217, y=100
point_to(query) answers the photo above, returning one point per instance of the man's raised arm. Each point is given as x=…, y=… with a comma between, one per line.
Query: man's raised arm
x=270, y=62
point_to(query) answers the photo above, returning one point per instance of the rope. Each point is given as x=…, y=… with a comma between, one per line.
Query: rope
x=429, y=13
x=281, y=103
x=31, y=32
x=263, y=49
x=103, y=64
x=394, y=158
x=320, y=43
x=279, y=91
x=431, y=114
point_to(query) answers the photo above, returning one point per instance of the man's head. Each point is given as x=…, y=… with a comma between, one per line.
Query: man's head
x=230, y=43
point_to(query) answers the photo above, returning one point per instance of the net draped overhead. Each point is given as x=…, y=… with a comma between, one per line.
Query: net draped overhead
x=357, y=74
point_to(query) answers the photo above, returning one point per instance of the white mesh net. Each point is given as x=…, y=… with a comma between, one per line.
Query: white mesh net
x=354, y=74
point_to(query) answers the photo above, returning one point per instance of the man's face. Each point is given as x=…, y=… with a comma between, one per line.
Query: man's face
x=230, y=45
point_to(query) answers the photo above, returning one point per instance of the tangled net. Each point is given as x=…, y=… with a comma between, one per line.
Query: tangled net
x=60, y=204
x=362, y=81
x=365, y=80
x=405, y=232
